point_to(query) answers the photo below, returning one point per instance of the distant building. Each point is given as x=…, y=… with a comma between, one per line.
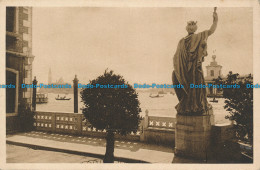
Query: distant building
x=57, y=90
x=60, y=82
x=19, y=60
x=213, y=72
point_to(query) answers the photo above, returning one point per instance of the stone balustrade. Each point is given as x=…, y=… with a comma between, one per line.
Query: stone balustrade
x=161, y=122
x=71, y=123
x=151, y=128
x=158, y=130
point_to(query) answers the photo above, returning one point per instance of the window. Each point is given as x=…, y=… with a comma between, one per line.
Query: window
x=10, y=43
x=212, y=73
x=10, y=19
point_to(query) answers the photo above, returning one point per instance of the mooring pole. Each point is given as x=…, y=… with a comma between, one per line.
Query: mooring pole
x=75, y=85
x=34, y=94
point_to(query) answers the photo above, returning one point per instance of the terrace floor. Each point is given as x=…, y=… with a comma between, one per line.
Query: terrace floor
x=125, y=151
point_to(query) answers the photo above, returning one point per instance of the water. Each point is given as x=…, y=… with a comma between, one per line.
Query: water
x=163, y=106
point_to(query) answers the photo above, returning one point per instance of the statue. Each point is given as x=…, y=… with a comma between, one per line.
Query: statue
x=187, y=63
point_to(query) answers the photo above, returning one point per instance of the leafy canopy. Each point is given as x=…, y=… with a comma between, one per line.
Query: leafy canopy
x=239, y=103
x=114, y=109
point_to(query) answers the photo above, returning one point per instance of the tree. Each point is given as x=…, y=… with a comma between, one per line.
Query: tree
x=239, y=103
x=115, y=110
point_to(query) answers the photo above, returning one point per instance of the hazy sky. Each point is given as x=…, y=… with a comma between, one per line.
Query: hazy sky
x=138, y=43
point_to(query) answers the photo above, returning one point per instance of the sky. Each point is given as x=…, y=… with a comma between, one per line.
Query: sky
x=137, y=43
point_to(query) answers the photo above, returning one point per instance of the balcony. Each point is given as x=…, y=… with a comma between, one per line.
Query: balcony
x=17, y=53
x=13, y=35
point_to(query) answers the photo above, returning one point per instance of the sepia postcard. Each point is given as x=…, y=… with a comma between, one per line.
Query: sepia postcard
x=129, y=84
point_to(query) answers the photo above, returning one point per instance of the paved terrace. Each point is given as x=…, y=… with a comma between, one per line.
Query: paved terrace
x=20, y=154
x=125, y=151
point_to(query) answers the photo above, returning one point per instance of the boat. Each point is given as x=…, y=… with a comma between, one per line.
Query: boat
x=41, y=98
x=156, y=96
x=62, y=98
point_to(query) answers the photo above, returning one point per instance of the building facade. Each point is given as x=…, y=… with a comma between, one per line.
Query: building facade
x=213, y=72
x=19, y=60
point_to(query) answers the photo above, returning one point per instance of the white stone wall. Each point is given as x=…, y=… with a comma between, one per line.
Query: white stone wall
x=216, y=69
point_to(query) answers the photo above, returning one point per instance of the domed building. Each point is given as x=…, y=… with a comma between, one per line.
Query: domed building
x=213, y=72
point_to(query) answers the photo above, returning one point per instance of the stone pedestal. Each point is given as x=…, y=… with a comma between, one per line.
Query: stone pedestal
x=192, y=136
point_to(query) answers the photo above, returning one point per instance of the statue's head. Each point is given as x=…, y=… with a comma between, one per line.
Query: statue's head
x=191, y=27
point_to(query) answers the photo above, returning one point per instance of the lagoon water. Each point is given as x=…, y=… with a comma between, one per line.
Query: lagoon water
x=163, y=106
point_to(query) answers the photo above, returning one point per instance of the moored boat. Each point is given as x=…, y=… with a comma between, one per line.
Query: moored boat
x=156, y=96
x=41, y=98
x=62, y=98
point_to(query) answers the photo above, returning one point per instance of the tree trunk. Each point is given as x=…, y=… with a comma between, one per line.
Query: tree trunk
x=109, y=156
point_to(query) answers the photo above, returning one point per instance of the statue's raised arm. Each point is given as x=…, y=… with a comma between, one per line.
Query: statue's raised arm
x=215, y=22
